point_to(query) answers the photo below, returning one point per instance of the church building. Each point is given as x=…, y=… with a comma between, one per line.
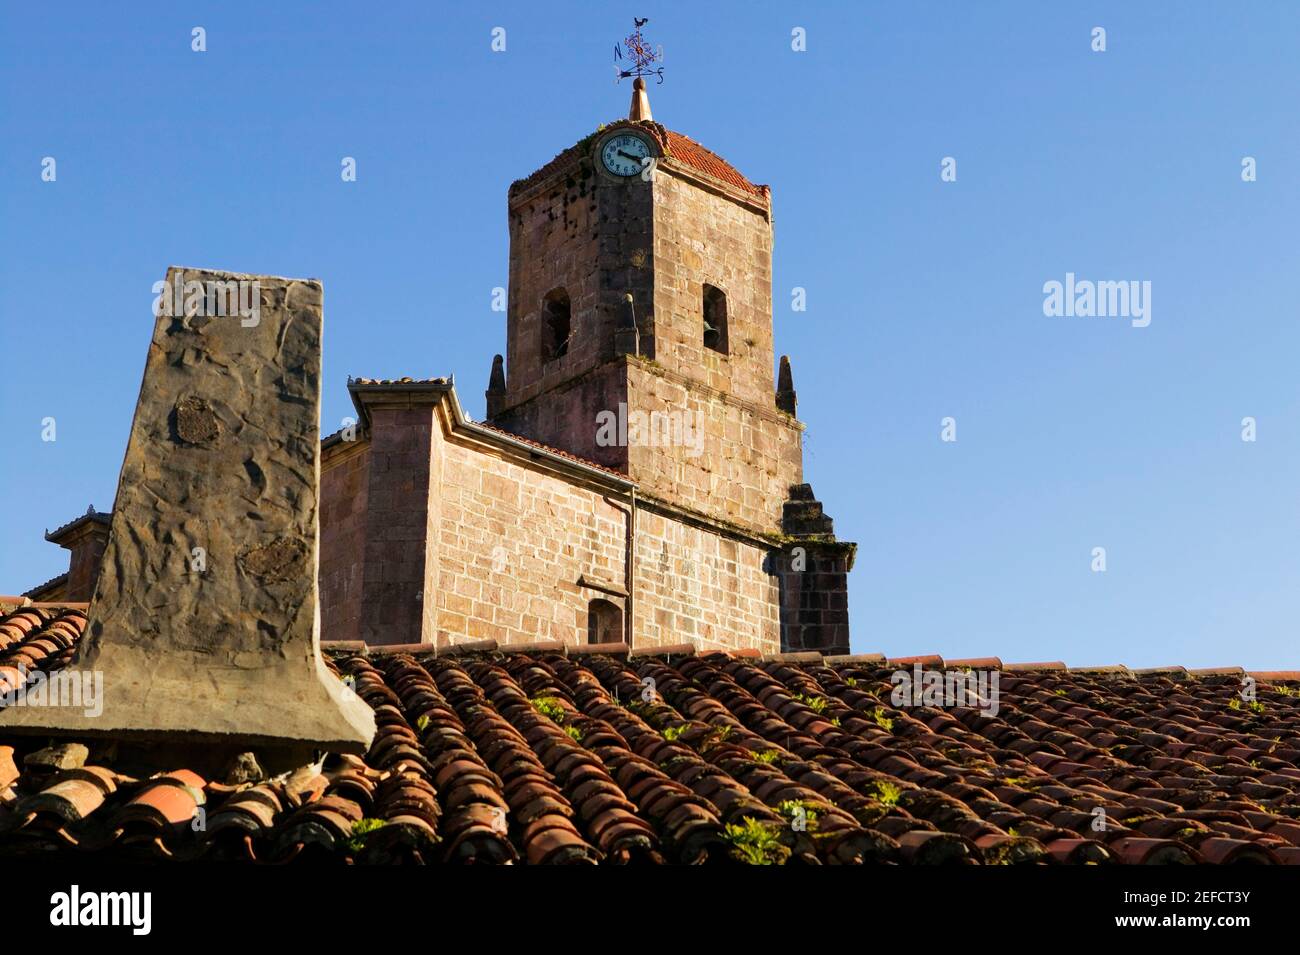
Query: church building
x=639, y=477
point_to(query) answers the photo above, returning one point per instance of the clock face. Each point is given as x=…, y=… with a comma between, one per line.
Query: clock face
x=622, y=154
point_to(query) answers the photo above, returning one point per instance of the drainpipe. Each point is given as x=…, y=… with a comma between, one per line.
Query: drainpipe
x=629, y=618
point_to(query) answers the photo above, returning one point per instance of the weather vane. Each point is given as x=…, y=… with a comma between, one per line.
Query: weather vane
x=635, y=50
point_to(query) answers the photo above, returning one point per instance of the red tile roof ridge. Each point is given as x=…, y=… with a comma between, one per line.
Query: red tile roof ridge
x=928, y=659
x=55, y=610
x=616, y=648
x=675, y=145
x=976, y=663
x=848, y=659
x=1111, y=669
x=441, y=381
x=705, y=160
x=12, y=604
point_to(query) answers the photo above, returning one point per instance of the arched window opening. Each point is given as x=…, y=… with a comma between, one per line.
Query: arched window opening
x=715, y=319
x=556, y=317
x=604, y=622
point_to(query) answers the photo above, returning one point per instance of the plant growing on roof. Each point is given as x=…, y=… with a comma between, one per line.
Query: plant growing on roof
x=887, y=792
x=574, y=733
x=549, y=706
x=768, y=756
x=674, y=733
x=800, y=812
x=755, y=843
x=718, y=734
x=422, y=723
x=878, y=714
x=817, y=704
x=361, y=830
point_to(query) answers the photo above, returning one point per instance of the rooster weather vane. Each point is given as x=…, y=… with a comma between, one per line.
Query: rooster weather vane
x=634, y=50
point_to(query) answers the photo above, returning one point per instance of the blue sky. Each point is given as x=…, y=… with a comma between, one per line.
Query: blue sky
x=924, y=297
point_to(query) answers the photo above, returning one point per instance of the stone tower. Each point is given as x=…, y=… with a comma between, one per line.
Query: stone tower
x=639, y=336
x=641, y=279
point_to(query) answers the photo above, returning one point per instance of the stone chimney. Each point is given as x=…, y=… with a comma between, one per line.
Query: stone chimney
x=204, y=624
x=85, y=538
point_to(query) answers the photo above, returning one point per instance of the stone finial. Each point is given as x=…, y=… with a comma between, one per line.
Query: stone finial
x=640, y=108
x=627, y=337
x=814, y=577
x=802, y=515
x=496, y=389
x=204, y=625
x=785, y=396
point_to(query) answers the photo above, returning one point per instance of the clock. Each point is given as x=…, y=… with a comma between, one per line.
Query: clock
x=622, y=154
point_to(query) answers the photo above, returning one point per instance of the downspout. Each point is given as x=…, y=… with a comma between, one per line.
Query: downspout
x=630, y=564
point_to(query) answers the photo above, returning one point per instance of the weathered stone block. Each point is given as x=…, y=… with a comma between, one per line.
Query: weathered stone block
x=204, y=622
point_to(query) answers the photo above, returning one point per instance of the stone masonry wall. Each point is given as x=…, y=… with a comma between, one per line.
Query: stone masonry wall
x=746, y=463
x=345, y=472
x=699, y=586
x=567, y=417
x=815, y=599
x=84, y=564
x=591, y=237
x=701, y=237
x=396, y=557
x=511, y=546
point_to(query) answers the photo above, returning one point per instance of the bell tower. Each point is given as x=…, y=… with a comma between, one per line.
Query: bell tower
x=641, y=297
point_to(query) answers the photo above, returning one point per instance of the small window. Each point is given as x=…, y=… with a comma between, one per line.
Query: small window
x=604, y=622
x=715, y=319
x=555, y=325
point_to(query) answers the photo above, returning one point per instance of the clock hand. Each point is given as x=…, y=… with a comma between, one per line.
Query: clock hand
x=628, y=155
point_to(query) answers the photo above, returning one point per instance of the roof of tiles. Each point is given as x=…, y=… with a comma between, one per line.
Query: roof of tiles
x=676, y=146
x=535, y=755
x=707, y=161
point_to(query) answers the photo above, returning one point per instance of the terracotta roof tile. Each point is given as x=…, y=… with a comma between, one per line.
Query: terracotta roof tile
x=675, y=145
x=688, y=151
x=545, y=756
